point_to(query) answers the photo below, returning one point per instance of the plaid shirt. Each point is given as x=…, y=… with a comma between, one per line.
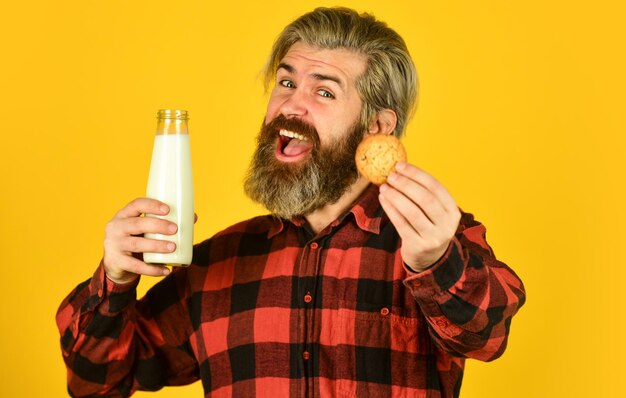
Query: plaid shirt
x=270, y=309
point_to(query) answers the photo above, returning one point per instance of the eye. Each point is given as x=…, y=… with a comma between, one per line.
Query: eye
x=325, y=93
x=287, y=83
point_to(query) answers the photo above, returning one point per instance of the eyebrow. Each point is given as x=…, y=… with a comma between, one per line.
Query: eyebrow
x=287, y=67
x=316, y=76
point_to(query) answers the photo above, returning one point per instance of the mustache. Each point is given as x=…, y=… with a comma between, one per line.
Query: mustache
x=295, y=125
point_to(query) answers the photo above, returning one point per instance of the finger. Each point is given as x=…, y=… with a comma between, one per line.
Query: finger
x=144, y=225
x=429, y=182
x=404, y=228
x=418, y=194
x=143, y=206
x=136, y=244
x=135, y=266
x=409, y=211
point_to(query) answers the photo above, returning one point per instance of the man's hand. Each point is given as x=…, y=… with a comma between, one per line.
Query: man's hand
x=422, y=211
x=124, y=237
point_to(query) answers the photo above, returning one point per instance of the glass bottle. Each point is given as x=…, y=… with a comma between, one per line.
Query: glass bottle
x=171, y=182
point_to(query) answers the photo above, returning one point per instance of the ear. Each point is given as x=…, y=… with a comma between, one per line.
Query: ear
x=383, y=122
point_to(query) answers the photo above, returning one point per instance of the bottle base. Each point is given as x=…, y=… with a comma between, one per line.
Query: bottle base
x=162, y=259
x=169, y=264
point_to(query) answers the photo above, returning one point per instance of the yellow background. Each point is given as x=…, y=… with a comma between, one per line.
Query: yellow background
x=519, y=117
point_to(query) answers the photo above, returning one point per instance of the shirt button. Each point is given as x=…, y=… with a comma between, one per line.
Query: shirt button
x=314, y=245
x=384, y=311
x=308, y=298
x=305, y=355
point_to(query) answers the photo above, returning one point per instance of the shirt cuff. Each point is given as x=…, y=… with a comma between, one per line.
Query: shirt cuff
x=439, y=277
x=113, y=297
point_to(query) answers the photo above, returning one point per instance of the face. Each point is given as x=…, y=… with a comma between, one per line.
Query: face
x=305, y=157
x=318, y=87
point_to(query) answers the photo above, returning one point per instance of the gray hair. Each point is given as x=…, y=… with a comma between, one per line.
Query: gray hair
x=389, y=81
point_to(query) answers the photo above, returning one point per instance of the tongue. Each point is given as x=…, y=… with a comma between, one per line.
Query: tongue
x=296, y=147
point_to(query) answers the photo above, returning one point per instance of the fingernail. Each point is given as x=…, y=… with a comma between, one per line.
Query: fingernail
x=172, y=227
x=171, y=246
x=383, y=188
x=164, y=209
x=392, y=177
x=400, y=166
x=166, y=271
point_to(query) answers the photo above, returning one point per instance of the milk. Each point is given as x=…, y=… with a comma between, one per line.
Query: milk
x=171, y=182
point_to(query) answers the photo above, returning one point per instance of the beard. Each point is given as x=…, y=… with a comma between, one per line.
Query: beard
x=289, y=190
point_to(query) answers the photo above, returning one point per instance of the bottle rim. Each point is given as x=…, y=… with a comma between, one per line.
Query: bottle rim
x=176, y=114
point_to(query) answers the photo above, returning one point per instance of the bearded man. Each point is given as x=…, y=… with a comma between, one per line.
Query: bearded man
x=345, y=289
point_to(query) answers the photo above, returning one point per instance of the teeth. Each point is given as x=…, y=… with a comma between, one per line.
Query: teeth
x=291, y=134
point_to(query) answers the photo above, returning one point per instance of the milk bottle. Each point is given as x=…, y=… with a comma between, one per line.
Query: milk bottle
x=171, y=182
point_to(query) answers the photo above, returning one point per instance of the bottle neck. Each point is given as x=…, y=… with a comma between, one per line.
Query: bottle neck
x=171, y=126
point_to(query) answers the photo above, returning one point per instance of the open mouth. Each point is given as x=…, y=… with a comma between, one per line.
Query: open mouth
x=292, y=146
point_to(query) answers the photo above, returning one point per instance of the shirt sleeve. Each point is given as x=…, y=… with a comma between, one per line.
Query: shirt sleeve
x=113, y=344
x=468, y=297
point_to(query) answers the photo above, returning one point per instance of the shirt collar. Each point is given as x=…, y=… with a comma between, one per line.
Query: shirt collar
x=367, y=210
x=368, y=214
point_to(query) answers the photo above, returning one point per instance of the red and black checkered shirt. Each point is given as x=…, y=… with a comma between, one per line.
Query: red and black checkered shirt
x=269, y=309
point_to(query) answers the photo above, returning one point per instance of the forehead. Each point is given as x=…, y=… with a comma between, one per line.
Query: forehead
x=305, y=58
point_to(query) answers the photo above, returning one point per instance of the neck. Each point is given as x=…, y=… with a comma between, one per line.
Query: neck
x=322, y=217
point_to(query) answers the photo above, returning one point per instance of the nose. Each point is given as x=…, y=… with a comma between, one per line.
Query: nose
x=294, y=105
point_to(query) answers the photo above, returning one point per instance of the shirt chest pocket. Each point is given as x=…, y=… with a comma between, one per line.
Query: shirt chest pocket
x=374, y=325
x=374, y=347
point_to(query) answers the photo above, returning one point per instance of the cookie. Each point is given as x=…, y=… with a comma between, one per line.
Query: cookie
x=377, y=155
